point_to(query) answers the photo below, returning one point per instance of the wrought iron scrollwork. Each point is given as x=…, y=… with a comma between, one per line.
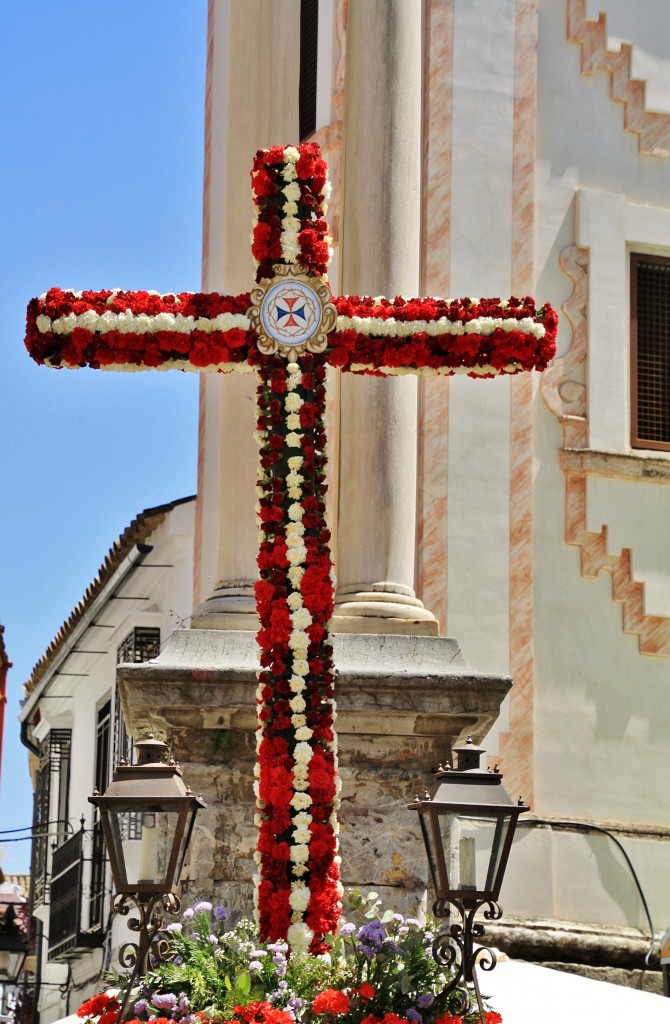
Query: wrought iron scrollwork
x=460, y=950
x=152, y=945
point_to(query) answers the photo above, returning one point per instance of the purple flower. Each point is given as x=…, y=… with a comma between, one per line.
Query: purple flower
x=174, y=927
x=213, y=941
x=202, y=906
x=258, y=954
x=371, y=936
x=425, y=1000
x=184, y=1002
x=178, y=960
x=399, y=918
x=140, y=1006
x=220, y=913
x=347, y=929
x=164, y=1001
x=255, y=965
x=188, y=913
x=414, y=1016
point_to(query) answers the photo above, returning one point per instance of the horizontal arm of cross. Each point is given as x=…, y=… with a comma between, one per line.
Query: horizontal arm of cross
x=120, y=330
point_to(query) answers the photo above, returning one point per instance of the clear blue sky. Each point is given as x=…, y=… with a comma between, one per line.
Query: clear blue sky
x=100, y=186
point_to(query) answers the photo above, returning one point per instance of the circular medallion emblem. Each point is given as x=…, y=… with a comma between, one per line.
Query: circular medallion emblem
x=290, y=312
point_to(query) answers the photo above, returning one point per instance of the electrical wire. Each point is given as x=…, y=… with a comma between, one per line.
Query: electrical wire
x=583, y=826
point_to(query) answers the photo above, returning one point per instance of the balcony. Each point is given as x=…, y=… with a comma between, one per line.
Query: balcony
x=68, y=939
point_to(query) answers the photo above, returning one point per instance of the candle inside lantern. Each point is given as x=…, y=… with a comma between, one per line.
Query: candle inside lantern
x=466, y=858
x=149, y=852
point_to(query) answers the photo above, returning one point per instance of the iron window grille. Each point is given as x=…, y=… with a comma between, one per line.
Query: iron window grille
x=50, y=805
x=309, y=45
x=67, y=938
x=650, y=351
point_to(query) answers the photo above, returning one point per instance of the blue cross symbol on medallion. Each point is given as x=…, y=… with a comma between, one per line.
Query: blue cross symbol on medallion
x=291, y=312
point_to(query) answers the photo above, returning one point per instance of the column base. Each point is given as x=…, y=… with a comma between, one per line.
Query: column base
x=228, y=607
x=382, y=612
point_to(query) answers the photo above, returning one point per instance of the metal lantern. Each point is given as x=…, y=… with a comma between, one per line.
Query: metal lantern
x=147, y=815
x=468, y=823
x=13, y=946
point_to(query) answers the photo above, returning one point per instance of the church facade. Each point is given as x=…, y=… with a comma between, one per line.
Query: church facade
x=485, y=149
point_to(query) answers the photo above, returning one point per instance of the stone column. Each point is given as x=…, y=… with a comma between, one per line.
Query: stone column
x=251, y=103
x=380, y=251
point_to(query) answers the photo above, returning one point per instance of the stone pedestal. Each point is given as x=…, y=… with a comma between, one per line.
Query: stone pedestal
x=403, y=702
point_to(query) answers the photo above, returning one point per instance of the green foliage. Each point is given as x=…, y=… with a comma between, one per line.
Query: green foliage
x=384, y=966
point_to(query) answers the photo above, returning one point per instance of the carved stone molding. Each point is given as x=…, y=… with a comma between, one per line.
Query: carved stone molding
x=563, y=385
x=564, y=391
x=652, y=129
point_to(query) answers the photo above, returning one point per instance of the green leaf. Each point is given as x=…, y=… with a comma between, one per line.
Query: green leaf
x=227, y=982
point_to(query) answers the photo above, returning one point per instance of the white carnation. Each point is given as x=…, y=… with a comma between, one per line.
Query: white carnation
x=301, y=618
x=292, y=191
x=297, y=556
x=295, y=575
x=301, y=801
x=292, y=403
x=299, y=898
x=302, y=753
x=299, y=854
x=299, y=937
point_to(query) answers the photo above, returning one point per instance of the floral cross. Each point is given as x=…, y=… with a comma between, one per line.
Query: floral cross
x=288, y=329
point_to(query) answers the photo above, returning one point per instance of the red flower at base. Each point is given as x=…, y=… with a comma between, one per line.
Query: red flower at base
x=105, y=1007
x=331, y=1001
x=260, y=1013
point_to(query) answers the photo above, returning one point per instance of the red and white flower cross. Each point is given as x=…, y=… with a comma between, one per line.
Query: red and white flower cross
x=288, y=328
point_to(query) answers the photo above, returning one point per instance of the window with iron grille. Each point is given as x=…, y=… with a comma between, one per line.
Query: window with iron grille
x=102, y=774
x=142, y=644
x=50, y=808
x=68, y=897
x=650, y=351
x=309, y=39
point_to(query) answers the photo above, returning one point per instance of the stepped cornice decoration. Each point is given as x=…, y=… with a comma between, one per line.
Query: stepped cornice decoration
x=651, y=128
x=564, y=391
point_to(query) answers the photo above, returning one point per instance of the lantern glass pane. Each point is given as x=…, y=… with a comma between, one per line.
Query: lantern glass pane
x=11, y=962
x=427, y=833
x=142, y=842
x=473, y=847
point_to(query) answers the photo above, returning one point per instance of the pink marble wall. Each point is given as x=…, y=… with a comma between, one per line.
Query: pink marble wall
x=436, y=236
x=516, y=753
